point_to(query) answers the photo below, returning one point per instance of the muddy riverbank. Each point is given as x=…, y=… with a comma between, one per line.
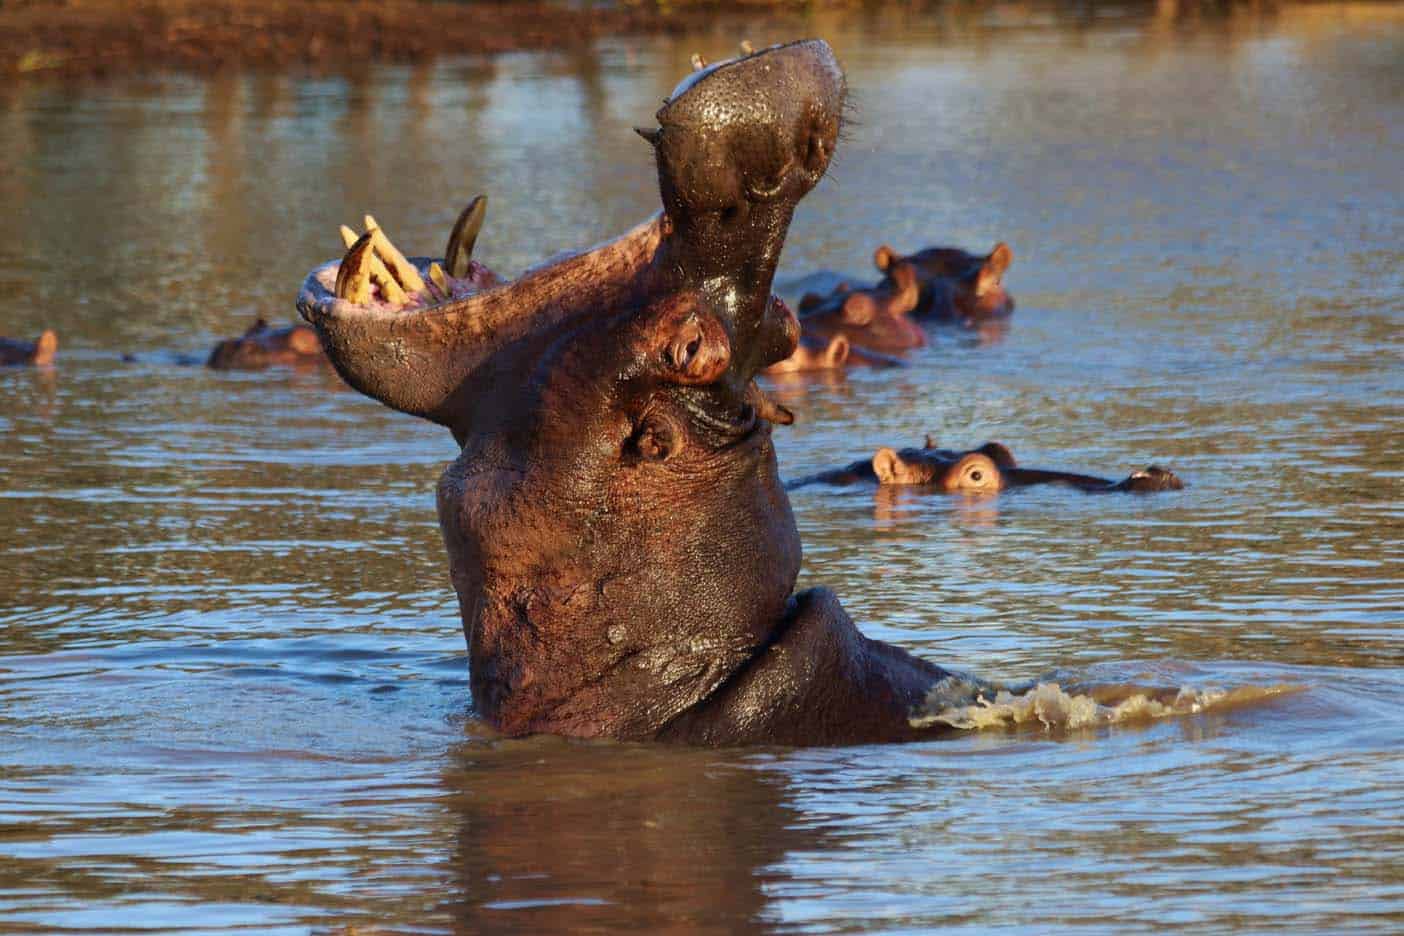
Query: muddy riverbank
x=102, y=37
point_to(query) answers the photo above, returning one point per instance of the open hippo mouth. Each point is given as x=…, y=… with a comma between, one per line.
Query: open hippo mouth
x=617, y=533
x=739, y=142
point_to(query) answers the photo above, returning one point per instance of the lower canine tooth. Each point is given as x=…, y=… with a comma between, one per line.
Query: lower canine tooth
x=459, y=253
x=389, y=288
x=698, y=62
x=353, y=276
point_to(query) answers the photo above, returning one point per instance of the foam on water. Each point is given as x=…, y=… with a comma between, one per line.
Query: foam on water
x=972, y=704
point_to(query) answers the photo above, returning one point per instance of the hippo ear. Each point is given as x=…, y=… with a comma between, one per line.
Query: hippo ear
x=836, y=354
x=259, y=325
x=304, y=340
x=992, y=270
x=858, y=309
x=809, y=300
x=884, y=257
x=889, y=467
x=46, y=347
x=998, y=453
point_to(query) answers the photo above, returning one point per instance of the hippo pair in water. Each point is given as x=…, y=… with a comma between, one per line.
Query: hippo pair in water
x=867, y=325
x=622, y=547
x=989, y=469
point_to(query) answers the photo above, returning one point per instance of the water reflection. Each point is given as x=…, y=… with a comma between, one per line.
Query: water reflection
x=232, y=685
x=556, y=836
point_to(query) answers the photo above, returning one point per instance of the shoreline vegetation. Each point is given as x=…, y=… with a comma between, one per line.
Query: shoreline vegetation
x=78, y=39
x=95, y=38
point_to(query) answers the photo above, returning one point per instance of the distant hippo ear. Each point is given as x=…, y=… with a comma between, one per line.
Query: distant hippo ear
x=858, y=309
x=999, y=454
x=992, y=270
x=259, y=325
x=891, y=468
x=836, y=354
x=304, y=340
x=884, y=257
x=46, y=347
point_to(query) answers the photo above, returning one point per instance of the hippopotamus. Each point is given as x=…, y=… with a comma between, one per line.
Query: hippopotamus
x=617, y=533
x=836, y=354
x=874, y=317
x=953, y=286
x=989, y=469
x=264, y=346
x=41, y=351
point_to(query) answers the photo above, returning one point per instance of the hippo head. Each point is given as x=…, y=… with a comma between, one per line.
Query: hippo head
x=616, y=530
x=974, y=472
x=967, y=288
x=875, y=318
x=262, y=346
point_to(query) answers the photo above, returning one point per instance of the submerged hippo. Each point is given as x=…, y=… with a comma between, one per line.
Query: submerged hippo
x=989, y=469
x=618, y=536
x=263, y=346
x=873, y=317
x=815, y=354
x=16, y=351
x=953, y=286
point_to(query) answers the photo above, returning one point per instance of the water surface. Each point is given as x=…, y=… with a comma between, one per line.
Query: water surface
x=233, y=691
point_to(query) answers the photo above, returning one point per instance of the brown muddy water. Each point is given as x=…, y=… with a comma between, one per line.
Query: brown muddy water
x=233, y=692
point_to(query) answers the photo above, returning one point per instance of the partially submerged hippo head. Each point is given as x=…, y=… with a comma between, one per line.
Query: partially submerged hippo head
x=617, y=533
x=875, y=318
x=40, y=352
x=989, y=469
x=953, y=285
x=264, y=346
x=974, y=472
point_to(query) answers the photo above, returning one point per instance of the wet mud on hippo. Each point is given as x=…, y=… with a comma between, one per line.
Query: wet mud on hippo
x=16, y=352
x=621, y=545
x=989, y=469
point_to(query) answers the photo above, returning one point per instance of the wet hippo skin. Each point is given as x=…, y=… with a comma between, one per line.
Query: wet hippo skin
x=18, y=352
x=989, y=469
x=618, y=536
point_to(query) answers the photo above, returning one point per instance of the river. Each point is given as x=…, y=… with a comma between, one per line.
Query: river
x=233, y=688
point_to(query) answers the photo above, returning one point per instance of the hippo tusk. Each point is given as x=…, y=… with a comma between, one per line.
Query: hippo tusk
x=698, y=62
x=440, y=280
x=353, y=276
x=459, y=253
x=746, y=47
x=399, y=267
x=389, y=288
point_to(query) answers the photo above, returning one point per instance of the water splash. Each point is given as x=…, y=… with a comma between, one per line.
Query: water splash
x=973, y=704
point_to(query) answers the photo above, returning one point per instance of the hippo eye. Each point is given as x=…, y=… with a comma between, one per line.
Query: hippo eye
x=976, y=475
